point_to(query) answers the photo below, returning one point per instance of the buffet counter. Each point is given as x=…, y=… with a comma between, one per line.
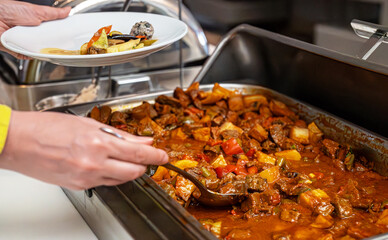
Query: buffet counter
x=31, y=209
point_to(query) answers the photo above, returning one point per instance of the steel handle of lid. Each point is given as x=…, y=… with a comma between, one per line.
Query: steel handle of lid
x=376, y=34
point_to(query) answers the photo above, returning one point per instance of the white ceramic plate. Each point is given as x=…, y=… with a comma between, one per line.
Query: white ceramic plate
x=72, y=32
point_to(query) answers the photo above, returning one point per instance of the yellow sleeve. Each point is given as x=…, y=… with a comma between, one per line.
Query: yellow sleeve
x=5, y=116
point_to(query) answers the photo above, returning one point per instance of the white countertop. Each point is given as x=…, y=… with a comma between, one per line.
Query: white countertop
x=31, y=209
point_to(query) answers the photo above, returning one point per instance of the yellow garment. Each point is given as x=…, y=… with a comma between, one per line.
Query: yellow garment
x=5, y=116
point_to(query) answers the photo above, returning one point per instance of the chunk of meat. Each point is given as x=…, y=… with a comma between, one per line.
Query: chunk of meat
x=105, y=112
x=183, y=98
x=118, y=118
x=343, y=207
x=166, y=120
x=147, y=127
x=256, y=204
x=173, y=102
x=330, y=148
x=144, y=110
x=278, y=134
x=236, y=103
x=258, y=133
x=280, y=109
x=255, y=183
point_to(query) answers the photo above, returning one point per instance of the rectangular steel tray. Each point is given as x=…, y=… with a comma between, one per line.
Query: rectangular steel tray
x=140, y=206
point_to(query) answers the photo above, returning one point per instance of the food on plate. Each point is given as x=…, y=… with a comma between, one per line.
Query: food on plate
x=107, y=41
x=143, y=28
x=299, y=184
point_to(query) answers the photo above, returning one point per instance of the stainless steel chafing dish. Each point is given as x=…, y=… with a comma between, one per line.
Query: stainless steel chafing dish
x=24, y=83
x=245, y=59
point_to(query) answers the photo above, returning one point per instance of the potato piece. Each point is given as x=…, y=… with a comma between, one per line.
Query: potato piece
x=160, y=173
x=280, y=109
x=183, y=164
x=258, y=133
x=184, y=188
x=271, y=174
x=319, y=193
x=140, y=45
x=264, y=158
x=323, y=221
x=289, y=155
x=236, y=103
x=148, y=42
x=230, y=126
x=201, y=134
x=315, y=134
x=300, y=134
x=178, y=134
x=317, y=200
x=225, y=93
x=383, y=219
x=219, y=162
x=84, y=49
x=131, y=44
x=254, y=101
x=289, y=215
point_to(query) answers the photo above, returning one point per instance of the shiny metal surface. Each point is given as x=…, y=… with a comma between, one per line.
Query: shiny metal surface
x=351, y=88
x=376, y=34
x=25, y=97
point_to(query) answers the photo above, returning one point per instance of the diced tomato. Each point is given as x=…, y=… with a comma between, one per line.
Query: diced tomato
x=231, y=147
x=233, y=212
x=97, y=34
x=251, y=152
x=319, y=175
x=204, y=157
x=222, y=171
x=213, y=142
x=253, y=170
x=240, y=170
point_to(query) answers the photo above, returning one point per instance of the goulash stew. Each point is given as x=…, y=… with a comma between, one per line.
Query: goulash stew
x=298, y=183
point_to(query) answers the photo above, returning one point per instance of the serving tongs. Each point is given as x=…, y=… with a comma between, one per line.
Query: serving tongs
x=376, y=34
x=207, y=197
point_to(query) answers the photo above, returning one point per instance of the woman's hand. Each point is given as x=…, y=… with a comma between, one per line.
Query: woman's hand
x=15, y=13
x=73, y=152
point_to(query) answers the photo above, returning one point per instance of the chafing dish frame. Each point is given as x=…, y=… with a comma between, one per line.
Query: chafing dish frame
x=142, y=204
x=373, y=146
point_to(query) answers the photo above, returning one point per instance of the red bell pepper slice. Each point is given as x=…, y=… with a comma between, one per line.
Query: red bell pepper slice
x=204, y=157
x=253, y=170
x=231, y=147
x=240, y=170
x=97, y=35
x=222, y=171
x=251, y=152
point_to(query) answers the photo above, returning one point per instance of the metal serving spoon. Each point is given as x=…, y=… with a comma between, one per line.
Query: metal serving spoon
x=208, y=197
